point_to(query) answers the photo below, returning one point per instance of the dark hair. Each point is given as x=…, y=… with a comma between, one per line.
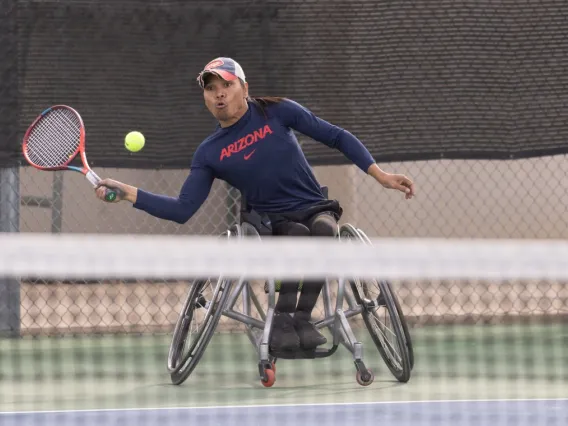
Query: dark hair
x=262, y=102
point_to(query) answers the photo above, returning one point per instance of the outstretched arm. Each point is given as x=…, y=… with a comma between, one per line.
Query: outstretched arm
x=304, y=121
x=178, y=209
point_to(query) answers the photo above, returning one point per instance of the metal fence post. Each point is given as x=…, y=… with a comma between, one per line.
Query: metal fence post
x=9, y=176
x=9, y=222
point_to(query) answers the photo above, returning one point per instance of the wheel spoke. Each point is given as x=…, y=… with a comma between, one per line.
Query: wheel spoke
x=191, y=339
x=389, y=330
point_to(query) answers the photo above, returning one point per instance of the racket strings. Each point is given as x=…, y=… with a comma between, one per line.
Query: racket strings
x=53, y=142
x=47, y=153
x=54, y=139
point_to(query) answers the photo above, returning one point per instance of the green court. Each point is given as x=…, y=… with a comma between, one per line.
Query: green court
x=479, y=362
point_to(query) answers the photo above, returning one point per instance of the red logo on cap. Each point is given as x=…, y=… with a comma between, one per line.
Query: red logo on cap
x=216, y=63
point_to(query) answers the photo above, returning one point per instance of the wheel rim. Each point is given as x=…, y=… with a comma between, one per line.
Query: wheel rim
x=379, y=319
x=376, y=314
x=196, y=316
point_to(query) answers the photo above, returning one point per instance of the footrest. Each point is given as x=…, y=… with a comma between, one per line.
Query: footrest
x=304, y=354
x=277, y=286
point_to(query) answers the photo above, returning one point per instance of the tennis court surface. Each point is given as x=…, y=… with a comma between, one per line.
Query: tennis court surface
x=467, y=375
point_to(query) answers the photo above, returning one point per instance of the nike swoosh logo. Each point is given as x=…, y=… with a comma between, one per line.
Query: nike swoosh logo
x=250, y=154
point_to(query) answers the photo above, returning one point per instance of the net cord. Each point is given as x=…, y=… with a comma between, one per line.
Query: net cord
x=82, y=256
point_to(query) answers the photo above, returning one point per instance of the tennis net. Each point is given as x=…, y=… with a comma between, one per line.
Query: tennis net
x=471, y=332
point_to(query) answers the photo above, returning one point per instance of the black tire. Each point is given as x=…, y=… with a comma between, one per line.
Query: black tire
x=401, y=367
x=404, y=324
x=400, y=311
x=182, y=363
x=398, y=307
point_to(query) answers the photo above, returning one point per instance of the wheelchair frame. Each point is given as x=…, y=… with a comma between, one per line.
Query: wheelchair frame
x=341, y=330
x=227, y=292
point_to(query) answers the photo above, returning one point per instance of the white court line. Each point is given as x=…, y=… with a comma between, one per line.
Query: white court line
x=325, y=404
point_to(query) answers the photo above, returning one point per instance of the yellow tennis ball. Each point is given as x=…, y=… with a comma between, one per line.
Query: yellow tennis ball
x=134, y=141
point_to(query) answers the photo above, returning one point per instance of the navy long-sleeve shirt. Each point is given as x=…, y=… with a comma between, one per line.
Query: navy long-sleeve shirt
x=261, y=157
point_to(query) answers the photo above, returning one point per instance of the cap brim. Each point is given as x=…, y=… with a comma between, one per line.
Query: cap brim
x=225, y=75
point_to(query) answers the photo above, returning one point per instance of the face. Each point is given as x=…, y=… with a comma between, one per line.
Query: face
x=226, y=100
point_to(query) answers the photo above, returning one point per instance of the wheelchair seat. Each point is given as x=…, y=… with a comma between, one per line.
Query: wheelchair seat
x=261, y=221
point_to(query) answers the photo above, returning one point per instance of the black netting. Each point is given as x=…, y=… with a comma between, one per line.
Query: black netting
x=9, y=96
x=412, y=79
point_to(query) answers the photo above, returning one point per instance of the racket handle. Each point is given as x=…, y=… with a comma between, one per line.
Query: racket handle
x=112, y=194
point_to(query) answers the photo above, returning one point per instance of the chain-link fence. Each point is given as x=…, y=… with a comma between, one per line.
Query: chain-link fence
x=455, y=199
x=464, y=199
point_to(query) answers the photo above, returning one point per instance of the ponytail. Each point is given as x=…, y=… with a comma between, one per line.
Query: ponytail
x=262, y=102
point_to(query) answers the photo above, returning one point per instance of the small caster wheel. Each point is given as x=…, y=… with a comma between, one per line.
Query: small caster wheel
x=270, y=378
x=365, y=379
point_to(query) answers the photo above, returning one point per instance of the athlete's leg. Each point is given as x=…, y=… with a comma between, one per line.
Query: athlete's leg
x=288, y=295
x=284, y=336
x=321, y=225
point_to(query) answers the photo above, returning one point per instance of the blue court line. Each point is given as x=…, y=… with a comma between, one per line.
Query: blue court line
x=419, y=413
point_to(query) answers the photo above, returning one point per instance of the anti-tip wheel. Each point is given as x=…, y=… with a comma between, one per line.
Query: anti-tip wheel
x=370, y=378
x=270, y=378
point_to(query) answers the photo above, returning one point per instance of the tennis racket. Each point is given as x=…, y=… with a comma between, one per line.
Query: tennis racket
x=53, y=141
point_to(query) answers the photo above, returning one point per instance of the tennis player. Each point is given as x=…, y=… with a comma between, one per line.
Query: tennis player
x=254, y=149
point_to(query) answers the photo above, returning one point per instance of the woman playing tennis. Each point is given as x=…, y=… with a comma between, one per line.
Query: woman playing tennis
x=255, y=150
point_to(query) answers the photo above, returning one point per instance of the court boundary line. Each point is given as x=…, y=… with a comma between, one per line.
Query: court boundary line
x=255, y=406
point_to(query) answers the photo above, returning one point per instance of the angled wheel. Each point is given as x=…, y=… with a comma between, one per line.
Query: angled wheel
x=399, y=309
x=383, y=317
x=194, y=329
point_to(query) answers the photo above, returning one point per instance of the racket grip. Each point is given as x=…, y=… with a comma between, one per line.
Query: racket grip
x=112, y=194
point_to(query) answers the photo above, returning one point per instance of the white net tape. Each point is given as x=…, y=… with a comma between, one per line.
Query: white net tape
x=174, y=257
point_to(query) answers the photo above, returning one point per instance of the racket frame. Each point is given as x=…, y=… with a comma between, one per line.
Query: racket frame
x=86, y=170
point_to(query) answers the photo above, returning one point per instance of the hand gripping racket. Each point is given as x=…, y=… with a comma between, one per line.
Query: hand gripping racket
x=54, y=139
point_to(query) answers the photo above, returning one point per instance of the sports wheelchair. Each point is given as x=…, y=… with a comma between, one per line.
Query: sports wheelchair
x=209, y=299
